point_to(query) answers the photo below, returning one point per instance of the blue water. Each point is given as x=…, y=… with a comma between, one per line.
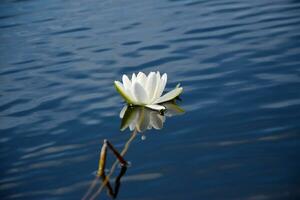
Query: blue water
x=239, y=65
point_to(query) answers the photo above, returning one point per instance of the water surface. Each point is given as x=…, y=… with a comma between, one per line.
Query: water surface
x=238, y=62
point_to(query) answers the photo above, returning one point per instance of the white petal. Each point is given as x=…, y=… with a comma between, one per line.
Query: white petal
x=144, y=120
x=156, y=120
x=142, y=78
x=161, y=86
x=122, y=112
x=157, y=88
x=130, y=116
x=133, y=78
x=158, y=76
x=130, y=94
x=169, y=96
x=151, y=85
x=120, y=88
x=128, y=87
x=126, y=82
x=156, y=107
x=136, y=117
x=139, y=93
x=131, y=126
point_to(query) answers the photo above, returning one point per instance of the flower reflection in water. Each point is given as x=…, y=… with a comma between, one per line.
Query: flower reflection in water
x=142, y=118
x=138, y=119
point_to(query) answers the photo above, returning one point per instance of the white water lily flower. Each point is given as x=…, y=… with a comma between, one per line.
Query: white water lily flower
x=145, y=90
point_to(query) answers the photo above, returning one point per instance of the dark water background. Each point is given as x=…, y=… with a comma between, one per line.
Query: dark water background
x=239, y=64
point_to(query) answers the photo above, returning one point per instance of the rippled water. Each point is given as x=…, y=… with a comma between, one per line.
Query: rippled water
x=238, y=62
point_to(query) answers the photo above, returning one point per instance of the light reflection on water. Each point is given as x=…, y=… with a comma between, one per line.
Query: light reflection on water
x=237, y=61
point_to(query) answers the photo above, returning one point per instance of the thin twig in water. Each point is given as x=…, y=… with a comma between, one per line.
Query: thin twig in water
x=102, y=159
x=100, y=170
x=112, y=169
